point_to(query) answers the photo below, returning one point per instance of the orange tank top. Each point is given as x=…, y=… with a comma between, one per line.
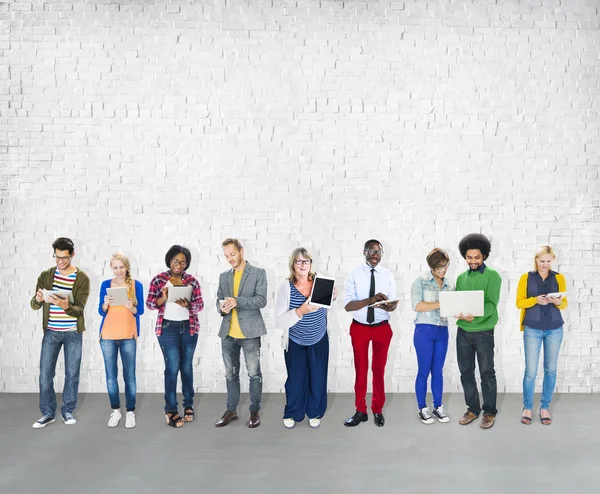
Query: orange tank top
x=119, y=324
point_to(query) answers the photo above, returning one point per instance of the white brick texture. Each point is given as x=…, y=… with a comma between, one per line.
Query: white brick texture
x=132, y=125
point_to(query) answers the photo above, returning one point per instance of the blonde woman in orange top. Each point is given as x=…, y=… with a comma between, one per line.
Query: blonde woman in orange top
x=541, y=297
x=119, y=330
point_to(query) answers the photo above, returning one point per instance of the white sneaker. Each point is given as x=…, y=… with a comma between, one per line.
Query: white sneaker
x=68, y=418
x=289, y=423
x=43, y=421
x=440, y=414
x=114, y=419
x=314, y=423
x=425, y=416
x=130, y=420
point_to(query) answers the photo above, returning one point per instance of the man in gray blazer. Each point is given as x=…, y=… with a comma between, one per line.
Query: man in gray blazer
x=242, y=293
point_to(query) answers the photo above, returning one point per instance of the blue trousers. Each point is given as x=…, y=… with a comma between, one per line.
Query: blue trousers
x=51, y=345
x=431, y=344
x=306, y=384
x=110, y=351
x=178, y=347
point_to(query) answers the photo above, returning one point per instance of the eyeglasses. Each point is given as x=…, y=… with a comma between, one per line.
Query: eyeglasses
x=300, y=262
x=442, y=267
x=61, y=259
x=373, y=252
x=175, y=262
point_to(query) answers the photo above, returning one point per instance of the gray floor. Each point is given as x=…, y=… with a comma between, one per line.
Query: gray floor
x=404, y=456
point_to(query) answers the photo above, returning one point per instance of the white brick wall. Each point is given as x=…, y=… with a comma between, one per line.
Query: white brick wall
x=131, y=125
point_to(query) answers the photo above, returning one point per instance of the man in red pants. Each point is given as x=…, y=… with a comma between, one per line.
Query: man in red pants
x=366, y=285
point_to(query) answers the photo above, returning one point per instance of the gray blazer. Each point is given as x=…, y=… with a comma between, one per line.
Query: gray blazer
x=252, y=296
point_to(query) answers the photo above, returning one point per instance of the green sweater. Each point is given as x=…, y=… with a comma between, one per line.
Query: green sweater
x=489, y=281
x=81, y=292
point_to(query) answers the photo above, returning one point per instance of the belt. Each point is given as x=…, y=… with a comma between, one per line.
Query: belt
x=371, y=325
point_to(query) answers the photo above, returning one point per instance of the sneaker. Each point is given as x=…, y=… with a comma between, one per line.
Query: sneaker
x=440, y=414
x=425, y=416
x=68, y=418
x=314, y=423
x=115, y=417
x=42, y=422
x=130, y=420
x=289, y=423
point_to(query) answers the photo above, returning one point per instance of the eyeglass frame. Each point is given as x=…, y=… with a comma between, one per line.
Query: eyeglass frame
x=302, y=262
x=178, y=263
x=62, y=258
x=379, y=252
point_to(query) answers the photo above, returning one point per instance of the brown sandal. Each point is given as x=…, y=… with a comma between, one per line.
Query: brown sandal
x=188, y=414
x=525, y=419
x=545, y=420
x=174, y=419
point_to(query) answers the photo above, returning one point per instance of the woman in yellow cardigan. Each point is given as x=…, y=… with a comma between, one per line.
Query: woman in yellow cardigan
x=541, y=297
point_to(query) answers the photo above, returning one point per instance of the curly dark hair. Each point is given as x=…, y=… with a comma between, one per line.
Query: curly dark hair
x=178, y=249
x=475, y=241
x=64, y=243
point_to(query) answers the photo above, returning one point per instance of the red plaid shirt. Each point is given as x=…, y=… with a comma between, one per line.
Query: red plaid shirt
x=155, y=292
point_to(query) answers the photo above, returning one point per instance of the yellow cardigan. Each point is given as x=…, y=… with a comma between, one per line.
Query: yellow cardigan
x=523, y=302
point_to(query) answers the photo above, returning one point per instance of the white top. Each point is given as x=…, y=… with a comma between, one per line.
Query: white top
x=357, y=287
x=174, y=312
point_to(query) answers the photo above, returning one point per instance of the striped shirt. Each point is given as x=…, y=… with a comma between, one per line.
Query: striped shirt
x=58, y=320
x=312, y=327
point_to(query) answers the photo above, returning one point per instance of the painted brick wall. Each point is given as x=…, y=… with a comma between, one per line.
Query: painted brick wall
x=132, y=125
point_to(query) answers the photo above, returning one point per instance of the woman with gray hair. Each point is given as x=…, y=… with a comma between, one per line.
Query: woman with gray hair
x=306, y=343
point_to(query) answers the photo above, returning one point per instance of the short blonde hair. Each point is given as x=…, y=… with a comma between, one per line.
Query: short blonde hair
x=296, y=253
x=118, y=256
x=542, y=251
x=232, y=241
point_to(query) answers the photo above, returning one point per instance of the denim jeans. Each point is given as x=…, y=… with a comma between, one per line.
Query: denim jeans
x=431, y=345
x=110, y=351
x=178, y=347
x=533, y=340
x=51, y=344
x=230, y=348
x=478, y=344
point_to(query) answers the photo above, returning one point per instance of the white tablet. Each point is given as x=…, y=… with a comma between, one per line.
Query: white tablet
x=322, y=291
x=463, y=302
x=557, y=294
x=384, y=302
x=119, y=295
x=64, y=294
x=179, y=292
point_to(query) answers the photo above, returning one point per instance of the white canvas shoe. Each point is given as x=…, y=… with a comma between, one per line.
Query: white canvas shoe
x=314, y=423
x=114, y=419
x=289, y=423
x=130, y=420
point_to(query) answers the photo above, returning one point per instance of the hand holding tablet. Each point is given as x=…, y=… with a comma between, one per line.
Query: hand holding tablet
x=321, y=294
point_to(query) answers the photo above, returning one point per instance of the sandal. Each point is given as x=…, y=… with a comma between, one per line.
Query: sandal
x=525, y=419
x=545, y=420
x=188, y=414
x=174, y=419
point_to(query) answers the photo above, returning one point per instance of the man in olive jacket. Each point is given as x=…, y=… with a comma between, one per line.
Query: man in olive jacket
x=63, y=325
x=242, y=293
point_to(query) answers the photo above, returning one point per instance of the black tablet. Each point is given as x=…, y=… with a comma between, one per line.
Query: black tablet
x=322, y=291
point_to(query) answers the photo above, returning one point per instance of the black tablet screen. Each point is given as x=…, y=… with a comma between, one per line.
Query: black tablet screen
x=322, y=291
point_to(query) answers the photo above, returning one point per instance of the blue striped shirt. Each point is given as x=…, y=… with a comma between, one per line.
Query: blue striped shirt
x=312, y=327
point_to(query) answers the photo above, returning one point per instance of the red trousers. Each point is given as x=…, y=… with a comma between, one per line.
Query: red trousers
x=362, y=335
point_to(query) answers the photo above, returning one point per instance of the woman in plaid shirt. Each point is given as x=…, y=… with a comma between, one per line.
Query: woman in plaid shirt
x=177, y=328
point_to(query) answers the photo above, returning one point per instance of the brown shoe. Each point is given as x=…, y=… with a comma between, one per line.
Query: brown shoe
x=226, y=418
x=487, y=421
x=254, y=421
x=467, y=418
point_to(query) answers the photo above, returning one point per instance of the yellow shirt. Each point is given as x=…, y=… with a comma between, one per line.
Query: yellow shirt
x=234, y=330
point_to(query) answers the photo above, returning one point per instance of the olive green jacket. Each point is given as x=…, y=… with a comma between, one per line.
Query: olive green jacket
x=81, y=292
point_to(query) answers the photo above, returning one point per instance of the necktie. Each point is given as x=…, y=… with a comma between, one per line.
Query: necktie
x=371, y=310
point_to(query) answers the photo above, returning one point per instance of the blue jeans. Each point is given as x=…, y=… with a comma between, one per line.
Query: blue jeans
x=110, y=351
x=431, y=344
x=478, y=344
x=306, y=384
x=533, y=340
x=230, y=348
x=51, y=344
x=178, y=347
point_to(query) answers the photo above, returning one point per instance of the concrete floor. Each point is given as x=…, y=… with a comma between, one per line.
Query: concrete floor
x=405, y=456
